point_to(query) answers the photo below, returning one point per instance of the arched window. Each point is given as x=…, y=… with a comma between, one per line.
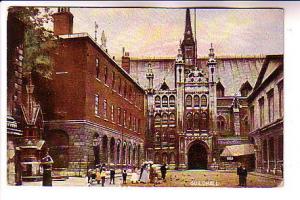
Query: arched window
x=165, y=119
x=157, y=120
x=157, y=101
x=197, y=121
x=203, y=101
x=196, y=101
x=172, y=157
x=203, y=122
x=172, y=101
x=164, y=136
x=188, y=101
x=189, y=125
x=172, y=119
x=157, y=137
x=220, y=123
x=164, y=101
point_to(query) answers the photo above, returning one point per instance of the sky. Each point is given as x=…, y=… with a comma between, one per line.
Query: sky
x=156, y=32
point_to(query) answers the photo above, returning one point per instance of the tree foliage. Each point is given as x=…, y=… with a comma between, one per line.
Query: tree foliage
x=39, y=42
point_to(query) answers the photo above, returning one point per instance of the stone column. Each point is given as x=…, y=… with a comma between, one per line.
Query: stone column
x=268, y=156
x=108, y=151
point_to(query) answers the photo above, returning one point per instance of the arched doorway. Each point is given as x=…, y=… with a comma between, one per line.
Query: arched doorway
x=197, y=156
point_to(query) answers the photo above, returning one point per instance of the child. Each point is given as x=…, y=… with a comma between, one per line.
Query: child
x=124, y=175
x=103, y=175
x=98, y=176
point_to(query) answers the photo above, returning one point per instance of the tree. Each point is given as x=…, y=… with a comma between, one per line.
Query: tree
x=39, y=42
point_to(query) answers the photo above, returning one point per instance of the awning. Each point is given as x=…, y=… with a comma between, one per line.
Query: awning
x=238, y=150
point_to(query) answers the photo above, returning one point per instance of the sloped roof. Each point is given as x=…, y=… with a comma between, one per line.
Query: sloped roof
x=238, y=150
x=231, y=71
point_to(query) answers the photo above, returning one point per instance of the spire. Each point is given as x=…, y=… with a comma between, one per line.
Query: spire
x=211, y=54
x=188, y=34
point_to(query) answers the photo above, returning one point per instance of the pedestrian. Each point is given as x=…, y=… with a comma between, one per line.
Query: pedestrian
x=112, y=176
x=244, y=173
x=98, y=175
x=239, y=173
x=47, y=162
x=163, y=170
x=124, y=175
x=141, y=171
x=134, y=176
x=151, y=174
x=103, y=175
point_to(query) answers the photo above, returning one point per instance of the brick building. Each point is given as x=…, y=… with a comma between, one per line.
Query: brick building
x=94, y=111
x=266, y=116
x=196, y=106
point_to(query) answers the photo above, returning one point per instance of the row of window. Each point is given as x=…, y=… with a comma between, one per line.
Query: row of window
x=165, y=101
x=271, y=109
x=165, y=119
x=195, y=101
x=196, y=121
x=116, y=83
x=165, y=136
x=131, y=123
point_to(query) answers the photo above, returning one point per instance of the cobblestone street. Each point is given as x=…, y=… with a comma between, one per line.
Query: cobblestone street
x=190, y=178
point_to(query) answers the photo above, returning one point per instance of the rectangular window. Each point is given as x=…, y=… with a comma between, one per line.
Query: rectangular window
x=112, y=113
x=105, y=109
x=113, y=80
x=130, y=121
x=96, y=104
x=124, y=118
x=119, y=116
x=261, y=111
x=280, y=93
x=97, y=68
x=105, y=75
x=271, y=105
x=120, y=85
x=139, y=126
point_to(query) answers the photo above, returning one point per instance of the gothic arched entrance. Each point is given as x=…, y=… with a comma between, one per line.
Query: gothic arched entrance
x=197, y=156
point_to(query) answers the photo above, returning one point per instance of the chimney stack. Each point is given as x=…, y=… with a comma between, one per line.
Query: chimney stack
x=126, y=61
x=63, y=21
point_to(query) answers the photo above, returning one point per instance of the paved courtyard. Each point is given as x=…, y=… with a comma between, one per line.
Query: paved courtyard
x=189, y=178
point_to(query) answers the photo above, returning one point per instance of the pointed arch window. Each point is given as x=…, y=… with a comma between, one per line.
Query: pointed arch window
x=97, y=68
x=172, y=101
x=105, y=108
x=196, y=101
x=203, y=101
x=189, y=125
x=172, y=119
x=157, y=120
x=164, y=101
x=188, y=101
x=157, y=101
x=165, y=119
x=204, y=123
x=197, y=121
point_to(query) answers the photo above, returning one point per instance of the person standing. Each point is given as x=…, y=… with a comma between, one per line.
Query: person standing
x=112, y=176
x=151, y=174
x=163, y=170
x=141, y=171
x=103, y=175
x=244, y=173
x=98, y=175
x=239, y=173
x=47, y=162
x=124, y=175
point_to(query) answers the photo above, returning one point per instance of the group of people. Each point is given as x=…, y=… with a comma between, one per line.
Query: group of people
x=146, y=174
x=242, y=173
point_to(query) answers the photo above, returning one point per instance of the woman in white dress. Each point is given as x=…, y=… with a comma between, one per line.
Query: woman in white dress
x=134, y=176
x=145, y=175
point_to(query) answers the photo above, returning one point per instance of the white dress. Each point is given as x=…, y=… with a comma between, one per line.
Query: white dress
x=134, y=177
x=145, y=176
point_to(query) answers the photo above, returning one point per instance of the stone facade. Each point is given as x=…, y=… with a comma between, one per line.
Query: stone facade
x=267, y=111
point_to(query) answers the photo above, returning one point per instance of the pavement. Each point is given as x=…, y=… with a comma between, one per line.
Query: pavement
x=186, y=178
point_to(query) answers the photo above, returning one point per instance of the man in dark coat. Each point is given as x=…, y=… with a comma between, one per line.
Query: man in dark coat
x=163, y=170
x=124, y=175
x=142, y=169
x=112, y=176
x=244, y=174
x=239, y=173
x=47, y=162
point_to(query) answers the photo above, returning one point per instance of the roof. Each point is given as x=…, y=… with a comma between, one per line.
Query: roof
x=232, y=71
x=238, y=150
x=111, y=59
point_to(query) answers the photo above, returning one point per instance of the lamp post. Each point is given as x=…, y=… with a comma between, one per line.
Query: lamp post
x=96, y=149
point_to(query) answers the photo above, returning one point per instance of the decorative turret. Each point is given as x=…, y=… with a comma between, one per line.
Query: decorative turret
x=103, y=40
x=150, y=77
x=211, y=64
